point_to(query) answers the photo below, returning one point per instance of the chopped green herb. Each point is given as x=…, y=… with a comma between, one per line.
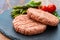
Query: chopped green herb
x=56, y=14
x=17, y=10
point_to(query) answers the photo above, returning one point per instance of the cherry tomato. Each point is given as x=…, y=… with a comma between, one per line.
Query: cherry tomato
x=43, y=8
x=51, y=8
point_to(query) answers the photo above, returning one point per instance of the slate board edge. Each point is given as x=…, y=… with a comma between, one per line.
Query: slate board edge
x=9, y=36
x=12, y=38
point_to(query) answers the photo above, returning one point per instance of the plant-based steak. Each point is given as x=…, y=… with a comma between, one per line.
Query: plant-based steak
x=42, y=16
x=27, y=26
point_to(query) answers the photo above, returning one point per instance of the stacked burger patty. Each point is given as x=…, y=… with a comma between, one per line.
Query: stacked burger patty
x=34, y=22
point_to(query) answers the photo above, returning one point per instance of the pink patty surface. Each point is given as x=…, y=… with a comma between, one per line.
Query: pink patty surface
x=27, y=26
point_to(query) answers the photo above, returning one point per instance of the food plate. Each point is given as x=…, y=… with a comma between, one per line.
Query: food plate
x=6, y=27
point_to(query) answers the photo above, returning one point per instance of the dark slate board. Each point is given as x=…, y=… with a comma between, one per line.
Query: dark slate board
x=7, y=29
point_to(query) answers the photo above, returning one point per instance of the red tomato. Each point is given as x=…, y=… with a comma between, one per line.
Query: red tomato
x=43, y=8
x=51, y=8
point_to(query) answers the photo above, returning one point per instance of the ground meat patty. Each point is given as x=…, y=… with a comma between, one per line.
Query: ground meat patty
x=42, y=16
x=26, y=26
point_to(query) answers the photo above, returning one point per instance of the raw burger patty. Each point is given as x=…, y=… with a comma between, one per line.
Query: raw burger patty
x=42, y=16
x=26, y=26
